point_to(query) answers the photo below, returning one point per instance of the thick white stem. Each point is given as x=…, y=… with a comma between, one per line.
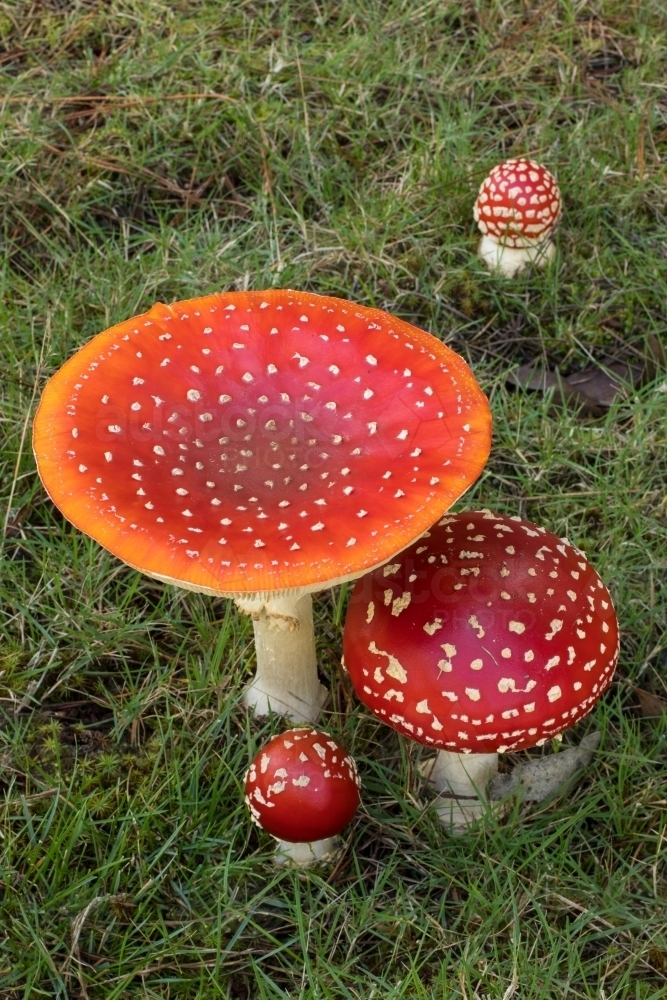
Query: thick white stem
x=461, y=780
x=508, y=261
x=286, y=681
x=305, y=854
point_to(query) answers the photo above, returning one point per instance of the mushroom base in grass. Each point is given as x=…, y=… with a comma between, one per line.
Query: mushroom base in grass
x=308, y=853
x=286, y=680
x=469, y=785
x=461, y=781
x=509, y=261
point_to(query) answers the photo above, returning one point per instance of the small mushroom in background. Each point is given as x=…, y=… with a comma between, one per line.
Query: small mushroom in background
x=516, y=211
x=488, y=635
x=261, y=446
x=303, y=789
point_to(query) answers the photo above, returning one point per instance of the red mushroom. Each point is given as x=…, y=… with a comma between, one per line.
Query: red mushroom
x=487, y=635
x=302, y=788
x=261, y=446
x=517, y=209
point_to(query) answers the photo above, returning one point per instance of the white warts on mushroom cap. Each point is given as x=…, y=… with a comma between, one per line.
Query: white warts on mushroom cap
x=202, y=414
x=517, y=209
x=394, y=669
x=520, y=658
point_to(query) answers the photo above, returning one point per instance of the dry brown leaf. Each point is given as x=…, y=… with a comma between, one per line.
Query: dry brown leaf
x=536, y=377
x=590, y=391
x=603, y=385
x=538, y=779
x=656, y=356
x=651, y=706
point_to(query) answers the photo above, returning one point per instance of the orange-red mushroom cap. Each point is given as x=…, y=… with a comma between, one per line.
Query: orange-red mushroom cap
x=260, y=441
x=518, y=204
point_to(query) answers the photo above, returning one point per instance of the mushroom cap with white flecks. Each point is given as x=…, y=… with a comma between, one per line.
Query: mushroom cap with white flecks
x=489, y=634
x=302, y=786
x=518, y=204
x=254, y=442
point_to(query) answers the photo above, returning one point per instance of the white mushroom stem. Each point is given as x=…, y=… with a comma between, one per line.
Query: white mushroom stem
x=286, y=681
x=508, y=261
x=461, y=779
x=304, y=854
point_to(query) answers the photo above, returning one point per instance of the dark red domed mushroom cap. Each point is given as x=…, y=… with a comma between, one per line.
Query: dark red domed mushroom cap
x=488, y=634
x=518, y=204
x=302, y=786
x=259, y=441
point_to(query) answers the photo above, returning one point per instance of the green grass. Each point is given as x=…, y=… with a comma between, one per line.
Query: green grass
x=342, y=154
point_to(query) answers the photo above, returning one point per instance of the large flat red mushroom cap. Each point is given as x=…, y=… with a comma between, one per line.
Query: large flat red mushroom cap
x=489, y=634
x=302, y=786
x=518, y=204
x=260, y=441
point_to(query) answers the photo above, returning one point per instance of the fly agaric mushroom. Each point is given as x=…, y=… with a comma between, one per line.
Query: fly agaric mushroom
x=302, y=788
x=487, y=635
x=261, y=446
x=517, y=209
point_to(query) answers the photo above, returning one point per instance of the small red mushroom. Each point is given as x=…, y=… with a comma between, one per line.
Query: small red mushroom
x=261, y=446
x=487, y=635
x=302, y=788
x=517, y=209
